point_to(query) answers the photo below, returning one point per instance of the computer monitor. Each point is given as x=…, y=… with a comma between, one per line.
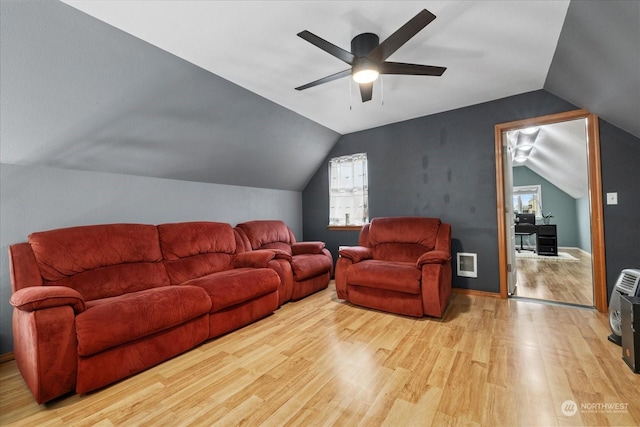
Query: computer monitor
x=526, y=218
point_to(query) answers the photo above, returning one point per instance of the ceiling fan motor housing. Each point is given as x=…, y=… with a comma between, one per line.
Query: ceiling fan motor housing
x=364, y=43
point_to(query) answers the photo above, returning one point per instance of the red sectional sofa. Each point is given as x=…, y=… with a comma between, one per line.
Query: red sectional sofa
x=95, y=304
x=303, y=267
x=401, y=265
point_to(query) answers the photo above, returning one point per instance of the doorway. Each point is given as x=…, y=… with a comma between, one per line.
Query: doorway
x=507, y=150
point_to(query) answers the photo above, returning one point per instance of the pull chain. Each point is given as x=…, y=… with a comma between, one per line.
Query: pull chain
x=350, y=95
x=381, y=91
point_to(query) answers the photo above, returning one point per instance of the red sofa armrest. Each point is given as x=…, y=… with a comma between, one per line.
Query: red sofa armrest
x=436, y=288
x=356, y=253
x=433, y=257
x=40, y=297
x=313, y=248
x=255, y=259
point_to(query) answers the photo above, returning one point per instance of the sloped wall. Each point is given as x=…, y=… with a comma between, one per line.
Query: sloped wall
x=80, y=94
x=597, y=61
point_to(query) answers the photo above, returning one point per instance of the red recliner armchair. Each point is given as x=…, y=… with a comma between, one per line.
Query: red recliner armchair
x=401, y=265
x=303, y=267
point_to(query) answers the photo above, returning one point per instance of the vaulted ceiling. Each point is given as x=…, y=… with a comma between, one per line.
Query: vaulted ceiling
x=558, y=153
x=204, y=90
x=492, y=49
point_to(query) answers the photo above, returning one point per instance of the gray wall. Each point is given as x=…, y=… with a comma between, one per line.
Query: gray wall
x=560, y=204
x=39, y=198
x=620, y=157
x=444, y=166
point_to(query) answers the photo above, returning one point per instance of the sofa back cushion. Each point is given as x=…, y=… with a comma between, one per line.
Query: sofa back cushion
x=195, y=249
x=268, y=234
x=100, y=261
x=402, y=239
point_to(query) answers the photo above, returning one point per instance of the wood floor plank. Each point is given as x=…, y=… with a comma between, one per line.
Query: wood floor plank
x=321, y=361
x=385, y=398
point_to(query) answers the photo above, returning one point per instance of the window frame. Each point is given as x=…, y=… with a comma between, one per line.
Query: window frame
x=343, y=180
x=534, y=189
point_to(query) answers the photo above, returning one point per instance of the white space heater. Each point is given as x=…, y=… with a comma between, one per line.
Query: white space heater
x=628, y=283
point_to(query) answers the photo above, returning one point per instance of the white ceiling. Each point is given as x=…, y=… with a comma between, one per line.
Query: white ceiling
x=492, y=49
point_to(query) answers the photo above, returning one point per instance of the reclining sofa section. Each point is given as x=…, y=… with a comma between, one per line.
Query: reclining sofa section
x=303, y=267
x=95, y=304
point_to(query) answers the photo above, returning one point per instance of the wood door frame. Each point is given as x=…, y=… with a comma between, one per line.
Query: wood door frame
x=595, y=198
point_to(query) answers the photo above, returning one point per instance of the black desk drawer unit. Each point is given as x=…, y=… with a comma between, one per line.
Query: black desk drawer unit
x=547, y=240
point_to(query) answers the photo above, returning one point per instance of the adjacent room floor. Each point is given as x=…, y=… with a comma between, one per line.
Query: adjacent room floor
x=566, y=278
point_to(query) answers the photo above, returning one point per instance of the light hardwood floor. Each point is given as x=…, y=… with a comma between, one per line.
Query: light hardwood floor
x=562, y=281
x=321, y=361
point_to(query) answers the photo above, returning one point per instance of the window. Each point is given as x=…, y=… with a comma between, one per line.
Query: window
x=348, y=190
x=526, y=199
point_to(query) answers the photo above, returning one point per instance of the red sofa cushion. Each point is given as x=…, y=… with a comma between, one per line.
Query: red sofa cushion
x=394, y=276
x=263, y=232
x=233, y=287
x=116, y=280
x=185, y=269
x=422, y=231
x=278, y=246
x=196, y=249
x=306, y=266
x=100, y=261
x=117, y=320
x=402, y=238
x=185, y=239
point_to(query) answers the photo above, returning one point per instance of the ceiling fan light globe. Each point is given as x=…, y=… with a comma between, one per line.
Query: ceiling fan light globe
x=365, y=75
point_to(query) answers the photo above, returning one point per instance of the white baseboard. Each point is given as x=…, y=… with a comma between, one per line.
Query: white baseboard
x=577, y=249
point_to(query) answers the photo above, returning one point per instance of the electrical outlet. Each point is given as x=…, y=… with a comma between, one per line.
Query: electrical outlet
x=612, y=198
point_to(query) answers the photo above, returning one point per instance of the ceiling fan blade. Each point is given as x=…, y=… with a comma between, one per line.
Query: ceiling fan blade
x=411, y=69
x=366, y=91
x=330, y=48
x=401, y=36
x=327, y=79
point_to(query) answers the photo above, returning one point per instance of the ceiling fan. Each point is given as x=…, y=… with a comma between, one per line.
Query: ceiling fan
x=367, y=56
